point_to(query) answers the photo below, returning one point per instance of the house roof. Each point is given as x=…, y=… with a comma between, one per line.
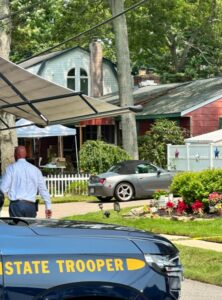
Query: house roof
x=42, y=59
x=210, y=137
x=174, y=99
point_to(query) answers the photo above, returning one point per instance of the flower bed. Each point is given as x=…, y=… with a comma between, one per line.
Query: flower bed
x=168, y=206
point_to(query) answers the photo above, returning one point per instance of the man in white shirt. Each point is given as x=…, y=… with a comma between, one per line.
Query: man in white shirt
x=22, y=181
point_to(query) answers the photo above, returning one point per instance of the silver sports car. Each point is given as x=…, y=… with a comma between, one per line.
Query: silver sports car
x=128, y=180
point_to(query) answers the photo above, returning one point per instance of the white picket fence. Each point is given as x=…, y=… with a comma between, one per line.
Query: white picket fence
x=59, y=185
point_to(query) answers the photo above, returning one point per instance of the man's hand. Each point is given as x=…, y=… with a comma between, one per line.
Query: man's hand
x=48, y=213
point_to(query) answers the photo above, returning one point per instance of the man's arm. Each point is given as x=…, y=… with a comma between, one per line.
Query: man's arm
x=44, y=193
x=6, y=180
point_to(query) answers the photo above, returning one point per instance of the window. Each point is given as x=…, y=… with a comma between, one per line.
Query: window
x=71, y=79
x=83, y=81
x=145, y=168
x=77, y=79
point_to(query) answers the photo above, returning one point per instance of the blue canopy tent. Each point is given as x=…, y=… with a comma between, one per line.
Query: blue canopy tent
x=26, y=129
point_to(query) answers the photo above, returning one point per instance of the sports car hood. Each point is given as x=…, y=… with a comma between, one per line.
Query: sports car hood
x=157, y=244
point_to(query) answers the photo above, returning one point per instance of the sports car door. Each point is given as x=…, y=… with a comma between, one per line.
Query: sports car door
x=150, y=179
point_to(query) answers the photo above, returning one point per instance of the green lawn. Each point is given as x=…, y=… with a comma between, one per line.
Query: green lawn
x=203, y=229
x=201, y=265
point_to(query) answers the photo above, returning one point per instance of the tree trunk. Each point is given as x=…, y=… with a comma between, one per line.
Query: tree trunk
x=129, y=133
x=8, y=138
x=96, y=74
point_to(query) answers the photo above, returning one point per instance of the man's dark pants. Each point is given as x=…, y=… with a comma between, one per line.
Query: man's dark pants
x=21, y=208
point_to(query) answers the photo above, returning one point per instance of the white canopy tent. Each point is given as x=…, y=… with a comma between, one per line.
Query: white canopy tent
x=26, y=129
x=32, y=131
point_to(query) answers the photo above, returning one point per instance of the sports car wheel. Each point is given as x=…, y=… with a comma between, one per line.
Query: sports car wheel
x=124, y=191
x=103, y=199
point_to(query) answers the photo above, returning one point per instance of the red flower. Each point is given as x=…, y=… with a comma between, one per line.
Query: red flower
x=181, y=207
x=197, y=205
x=170, y=204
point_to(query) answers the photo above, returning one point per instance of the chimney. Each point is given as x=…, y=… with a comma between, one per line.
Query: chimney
x=96, y=70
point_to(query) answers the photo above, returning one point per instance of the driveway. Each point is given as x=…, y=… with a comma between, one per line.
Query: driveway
x=194, y=290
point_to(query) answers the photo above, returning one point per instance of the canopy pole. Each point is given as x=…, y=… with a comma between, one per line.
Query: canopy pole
x=77, y=157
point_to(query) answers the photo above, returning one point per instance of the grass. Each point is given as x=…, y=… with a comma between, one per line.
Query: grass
x=202, y=229
x=201, y=265
x=65, y=199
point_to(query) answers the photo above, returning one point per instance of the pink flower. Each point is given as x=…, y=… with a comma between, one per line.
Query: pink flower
x=214, y=198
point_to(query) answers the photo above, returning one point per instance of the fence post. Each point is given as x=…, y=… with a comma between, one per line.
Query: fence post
x=211, y=155
x=168, y=157
x=188, y=156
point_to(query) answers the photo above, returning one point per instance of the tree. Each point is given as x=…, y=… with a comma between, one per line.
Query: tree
x=129, y=133
x=181, y=39
x=153, y=145
x=8, y=138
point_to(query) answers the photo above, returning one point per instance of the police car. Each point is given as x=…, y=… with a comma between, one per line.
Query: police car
x=69, y=260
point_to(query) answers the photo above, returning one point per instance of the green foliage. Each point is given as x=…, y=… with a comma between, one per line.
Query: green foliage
x=47, y=23
x=153, y=145
x=181, y=39
x=77, y=188
x=197, y=185
x=158, y=193
x=98, y=156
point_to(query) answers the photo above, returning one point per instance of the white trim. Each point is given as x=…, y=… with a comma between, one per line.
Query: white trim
x=200, y=105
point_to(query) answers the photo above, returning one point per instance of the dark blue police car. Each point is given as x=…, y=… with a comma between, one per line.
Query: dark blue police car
x=67, y=260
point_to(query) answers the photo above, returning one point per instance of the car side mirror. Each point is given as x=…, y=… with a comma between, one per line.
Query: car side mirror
x=158, y=172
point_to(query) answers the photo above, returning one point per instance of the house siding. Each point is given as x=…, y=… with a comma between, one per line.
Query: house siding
x=57, y=68
x=206, y=118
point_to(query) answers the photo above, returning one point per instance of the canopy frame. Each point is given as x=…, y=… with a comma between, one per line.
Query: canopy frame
x=11, y=85
x=19, y=90
x=32, y=102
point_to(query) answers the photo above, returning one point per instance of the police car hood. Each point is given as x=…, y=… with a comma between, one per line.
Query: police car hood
x=157, y=244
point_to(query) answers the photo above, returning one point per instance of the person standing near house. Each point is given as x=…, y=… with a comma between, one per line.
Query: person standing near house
x=22, y=181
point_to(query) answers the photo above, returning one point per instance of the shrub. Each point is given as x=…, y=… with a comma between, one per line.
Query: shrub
x=196, y=185
x=158, y=193
x=77, y=188
x=98, y=156
x=153, y=145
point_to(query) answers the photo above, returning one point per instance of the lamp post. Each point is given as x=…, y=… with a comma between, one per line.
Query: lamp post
x=116, y=206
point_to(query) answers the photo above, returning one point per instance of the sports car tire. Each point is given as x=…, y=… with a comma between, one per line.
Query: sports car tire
x=124, y=191
x=104, y=199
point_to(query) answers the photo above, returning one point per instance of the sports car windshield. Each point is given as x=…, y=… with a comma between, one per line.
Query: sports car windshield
x=115, y=168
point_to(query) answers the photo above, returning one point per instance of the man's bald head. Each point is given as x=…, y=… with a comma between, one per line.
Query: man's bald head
x=20, y=152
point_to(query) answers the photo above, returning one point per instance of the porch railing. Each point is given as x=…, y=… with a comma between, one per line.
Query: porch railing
x=63, y=184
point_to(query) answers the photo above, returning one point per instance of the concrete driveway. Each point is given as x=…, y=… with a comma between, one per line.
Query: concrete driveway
x=194, y=290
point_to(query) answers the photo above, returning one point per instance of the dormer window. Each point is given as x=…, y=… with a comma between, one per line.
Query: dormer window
x=83, y=81
x=71, y=79
x=77, y=79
